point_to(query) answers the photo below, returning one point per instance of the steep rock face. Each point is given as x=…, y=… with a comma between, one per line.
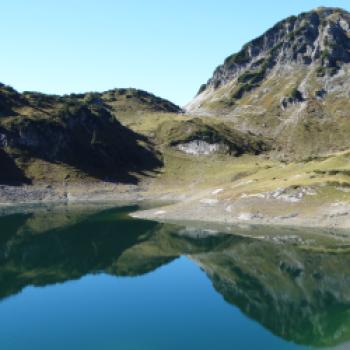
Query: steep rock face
x=320, y=36
x=291, y=84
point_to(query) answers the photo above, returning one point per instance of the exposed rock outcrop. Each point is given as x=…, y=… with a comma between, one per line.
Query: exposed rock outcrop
x=320, y=36
x=199, y=137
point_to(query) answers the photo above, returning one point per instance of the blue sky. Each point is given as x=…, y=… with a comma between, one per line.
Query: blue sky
x=166, y=47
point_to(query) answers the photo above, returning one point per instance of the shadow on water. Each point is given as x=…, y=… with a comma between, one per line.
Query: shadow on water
x=298, y=294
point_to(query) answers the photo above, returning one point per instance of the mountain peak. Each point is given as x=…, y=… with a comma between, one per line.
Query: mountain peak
x=320, y=35
x=328, y=10
x=295, y=76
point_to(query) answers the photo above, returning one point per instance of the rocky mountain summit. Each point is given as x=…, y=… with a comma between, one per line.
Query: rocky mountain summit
x=292, y=84
x=320, y=36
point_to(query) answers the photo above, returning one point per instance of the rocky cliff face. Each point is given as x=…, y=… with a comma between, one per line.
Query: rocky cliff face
x=319, y=37
x=292, y=84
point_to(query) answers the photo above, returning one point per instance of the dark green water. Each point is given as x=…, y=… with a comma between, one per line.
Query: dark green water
x=97, y=279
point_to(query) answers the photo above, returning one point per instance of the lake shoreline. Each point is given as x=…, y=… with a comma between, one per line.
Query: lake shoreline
x=180, y=212
x=199, y=206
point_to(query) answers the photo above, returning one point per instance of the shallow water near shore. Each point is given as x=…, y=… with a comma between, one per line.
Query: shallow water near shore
x=91, y=277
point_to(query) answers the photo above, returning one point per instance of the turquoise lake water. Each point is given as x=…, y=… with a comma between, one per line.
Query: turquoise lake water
x=94, y=278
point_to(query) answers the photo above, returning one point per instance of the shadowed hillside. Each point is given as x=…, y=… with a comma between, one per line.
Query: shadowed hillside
x=77, y=134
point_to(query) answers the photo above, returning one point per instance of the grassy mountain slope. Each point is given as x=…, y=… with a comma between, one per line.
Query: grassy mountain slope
x=289, y=89
x=120, y=136
x=72, y=138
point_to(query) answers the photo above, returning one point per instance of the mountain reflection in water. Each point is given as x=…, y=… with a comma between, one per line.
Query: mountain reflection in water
x=298, y=294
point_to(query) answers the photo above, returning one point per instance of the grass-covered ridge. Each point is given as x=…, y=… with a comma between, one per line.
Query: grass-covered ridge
x=70, y=138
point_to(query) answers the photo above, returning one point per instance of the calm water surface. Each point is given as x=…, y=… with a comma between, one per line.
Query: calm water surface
x=97, y=279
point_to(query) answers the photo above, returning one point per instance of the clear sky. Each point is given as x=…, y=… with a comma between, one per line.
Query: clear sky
x=168, y=47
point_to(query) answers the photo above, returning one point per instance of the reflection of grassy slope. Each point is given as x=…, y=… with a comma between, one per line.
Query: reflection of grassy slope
x=300, y=296
x=65, y=252
x=77, y=242
x=164, y=243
